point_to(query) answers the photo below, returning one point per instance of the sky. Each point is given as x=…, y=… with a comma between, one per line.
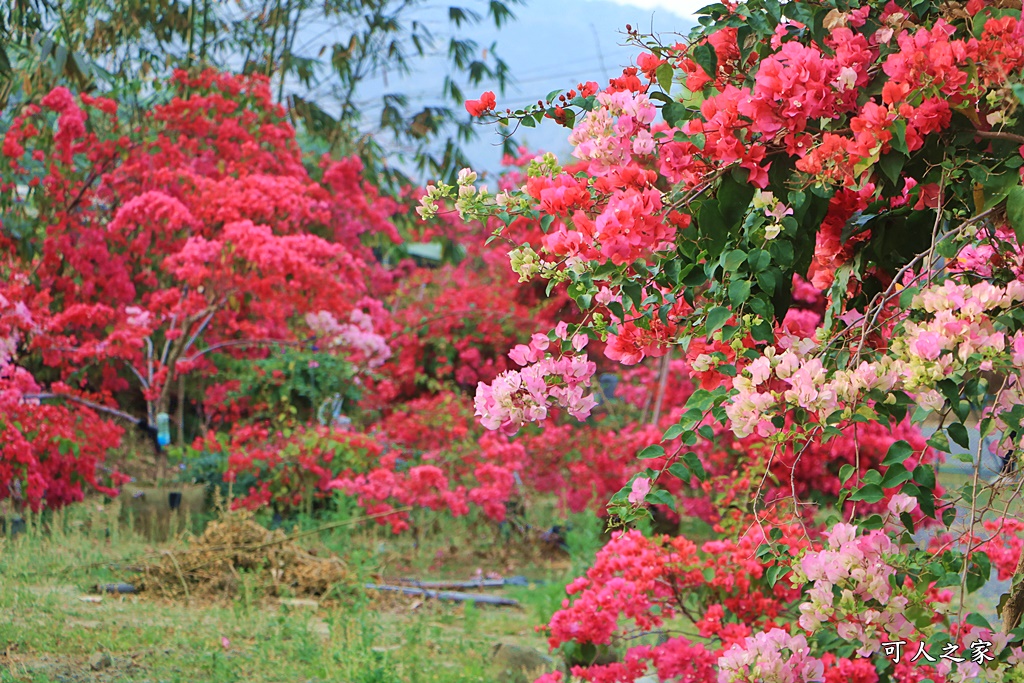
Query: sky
x=551, y=44
x=681, y=8
x=559, y=44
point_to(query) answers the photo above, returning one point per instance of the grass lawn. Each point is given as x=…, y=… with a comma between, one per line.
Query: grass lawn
x=52, y=631
x=54, y=628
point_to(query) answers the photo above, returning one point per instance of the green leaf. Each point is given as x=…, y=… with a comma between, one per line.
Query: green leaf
x=895, y=475
x=717, y=317
x=674, y=113
x=739, y=291
x=763, y=332
x=733, y=200
x=939, y=442
x=664, y=75
x=766, y=281
x=975, y=619
x=678, y=470
x=872, y=522
x=926, y=500
x=758, y=260
x=733, y=260
x=872, y=493
x=925, y=476
x=672, y=432
x=661, y=497
x=700, y=400
x=958, y=433
x=705, y=57
x=1015, y=211
x=979, y=571
x=892, y=165
x=654, y=451
x=693, y=462
x=845, y=472
x=775, y=572
x=899, y=142
x=897, y=453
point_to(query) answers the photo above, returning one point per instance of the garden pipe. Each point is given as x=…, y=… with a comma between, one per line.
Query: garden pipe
x=480, y=583
x=478, y=598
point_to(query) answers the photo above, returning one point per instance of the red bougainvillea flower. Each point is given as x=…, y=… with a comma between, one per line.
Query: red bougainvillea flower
x=485, y=104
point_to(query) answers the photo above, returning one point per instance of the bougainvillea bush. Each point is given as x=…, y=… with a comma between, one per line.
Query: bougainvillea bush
x=133, y=256
x=816, y=207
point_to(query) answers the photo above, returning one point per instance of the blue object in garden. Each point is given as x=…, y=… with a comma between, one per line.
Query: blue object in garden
x=329, y=413
x=163, y=429
x=609, y=383
x=17, y=526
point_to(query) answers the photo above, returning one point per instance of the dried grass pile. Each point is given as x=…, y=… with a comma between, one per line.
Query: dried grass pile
x=236, y=549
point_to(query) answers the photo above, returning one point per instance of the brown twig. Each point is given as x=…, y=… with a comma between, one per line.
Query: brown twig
x=999, y=135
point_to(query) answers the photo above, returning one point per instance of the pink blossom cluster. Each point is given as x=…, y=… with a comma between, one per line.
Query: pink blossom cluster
x=357, y=334
x=770, y=657
x=961, y=322
x=868, y=611
x=978, y=259
x=779, y=379
x=516, y=397
x=971, y=670
x=15, y=317
x=605, y=138
x=957, y=333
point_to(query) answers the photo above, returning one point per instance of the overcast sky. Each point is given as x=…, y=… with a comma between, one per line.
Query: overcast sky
x=559, y=44
x=552, y=44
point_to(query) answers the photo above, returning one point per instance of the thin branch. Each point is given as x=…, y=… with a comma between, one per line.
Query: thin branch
x=84, y=402
x=199, y=331
x=243, y=342
x=999, y=135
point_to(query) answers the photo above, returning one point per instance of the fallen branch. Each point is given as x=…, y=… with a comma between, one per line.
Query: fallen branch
x=446, y=595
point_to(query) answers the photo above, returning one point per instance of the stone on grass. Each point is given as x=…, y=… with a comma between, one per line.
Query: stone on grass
x=517, y=664
x=100, y=661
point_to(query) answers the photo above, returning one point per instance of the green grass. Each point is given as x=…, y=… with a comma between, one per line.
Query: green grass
x=48, y=633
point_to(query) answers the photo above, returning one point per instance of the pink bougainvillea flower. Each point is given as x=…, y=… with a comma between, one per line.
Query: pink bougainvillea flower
x=641, y=487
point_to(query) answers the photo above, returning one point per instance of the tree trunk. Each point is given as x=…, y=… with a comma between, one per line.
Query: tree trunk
x=180, y=413
x=1014, y=607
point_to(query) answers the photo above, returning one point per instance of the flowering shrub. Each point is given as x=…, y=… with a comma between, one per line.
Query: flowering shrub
x=817, y=206
x=138, y=257
x=48, y=453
